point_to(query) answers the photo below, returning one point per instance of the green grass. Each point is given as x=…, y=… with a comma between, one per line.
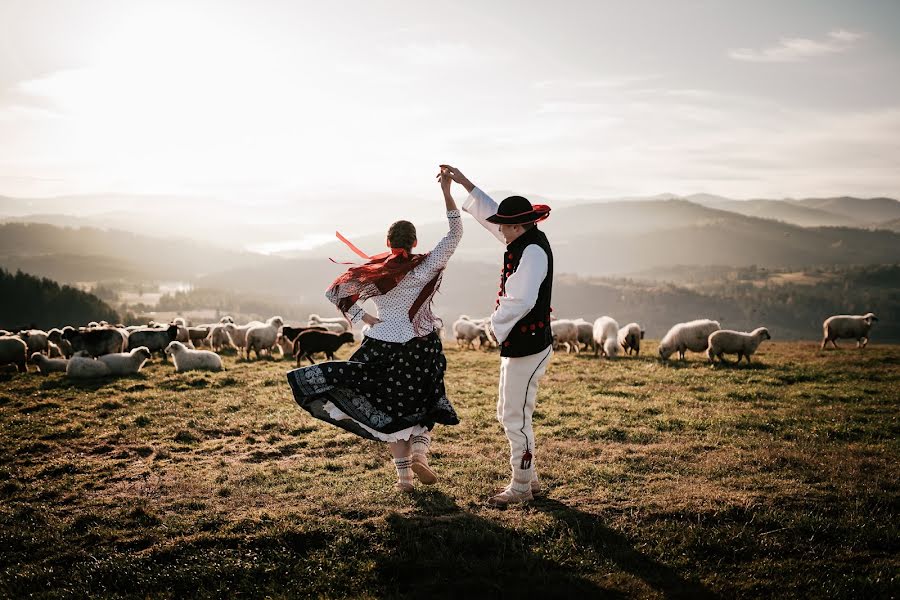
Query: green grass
x=664, y=480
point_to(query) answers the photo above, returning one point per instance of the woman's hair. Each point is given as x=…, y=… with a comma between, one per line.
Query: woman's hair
x=402, y=234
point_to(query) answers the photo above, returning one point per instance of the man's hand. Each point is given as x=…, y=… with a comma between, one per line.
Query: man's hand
x=458, y=177
x=370, y=320
x=446, y=181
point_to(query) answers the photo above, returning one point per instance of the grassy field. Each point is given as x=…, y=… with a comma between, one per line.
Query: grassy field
x=664, y=480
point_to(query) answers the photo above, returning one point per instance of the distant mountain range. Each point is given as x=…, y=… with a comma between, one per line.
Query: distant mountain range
x=589, y=239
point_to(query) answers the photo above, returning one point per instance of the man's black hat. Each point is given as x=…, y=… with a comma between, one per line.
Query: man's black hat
x=517, y=210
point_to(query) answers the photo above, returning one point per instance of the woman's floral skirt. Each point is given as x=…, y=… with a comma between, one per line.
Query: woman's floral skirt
x=384, y=387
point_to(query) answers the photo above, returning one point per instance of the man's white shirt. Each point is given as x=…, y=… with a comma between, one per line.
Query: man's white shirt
x=523, y=286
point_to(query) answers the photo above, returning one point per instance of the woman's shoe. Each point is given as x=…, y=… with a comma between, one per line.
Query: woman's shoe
x=422, y=471
x=404, y=487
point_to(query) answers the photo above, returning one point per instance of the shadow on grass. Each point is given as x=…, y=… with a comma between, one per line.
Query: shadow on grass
x=445, y=551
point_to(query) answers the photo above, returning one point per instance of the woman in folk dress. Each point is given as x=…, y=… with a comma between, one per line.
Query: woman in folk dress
x=392, y=388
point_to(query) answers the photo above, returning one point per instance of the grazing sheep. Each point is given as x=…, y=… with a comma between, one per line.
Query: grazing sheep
x=289, y=334
x=126, y=363
x=239, y=332
x=466, y=332
x=310, y=342
x=198, y=335
x=54, y=351
x=853, y=327
x=630, y=337
x=565, y=332
x=317, y=321
x=153, y=339
x=14, y=351
x=36, y=340
x=693, y=336
x=56, y=336
x=726, y=341
x=49, y=365
x=85, y=367
x=606, y=337
x=96, y=342
x=585, y=333
x=263, y=337
x=220, y=338
x=193, y=360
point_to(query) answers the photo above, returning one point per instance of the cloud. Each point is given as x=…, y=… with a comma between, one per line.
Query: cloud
x=799, y=49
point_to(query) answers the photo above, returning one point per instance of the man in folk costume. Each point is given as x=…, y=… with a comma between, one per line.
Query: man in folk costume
x=520, y=323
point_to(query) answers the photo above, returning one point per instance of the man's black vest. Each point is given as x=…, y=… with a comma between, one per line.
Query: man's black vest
x=531, y=333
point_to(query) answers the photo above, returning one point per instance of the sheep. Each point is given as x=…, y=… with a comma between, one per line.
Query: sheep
x=239, y=332
x=4, y=333
x=153, y=339
x=310, y=342
x=693, y=336
x=466, y=332
x=180, y=321
x=854, y=327
x=96, y=342
x=36, y=340
x=565, y=332
x=14, y=351
x=606, y=337
x=85, y=367
x=198, y=335
x=630, y=337
x=56, y=336
x=193, y=360
x=126, y=363
x=726, y=341
x=263, y=337
x=316, y=320
x=219, y=338
x=585, y=333
x=54, y=351
x=49, y=365
x=226, y=319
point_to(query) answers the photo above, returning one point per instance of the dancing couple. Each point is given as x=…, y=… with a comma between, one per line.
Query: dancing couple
x=392, y=388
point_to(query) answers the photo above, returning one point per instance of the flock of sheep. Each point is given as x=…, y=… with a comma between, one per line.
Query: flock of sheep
x=104, y=350
x=606, y=338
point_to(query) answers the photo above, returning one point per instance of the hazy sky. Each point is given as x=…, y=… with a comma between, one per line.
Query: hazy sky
x=266, y=101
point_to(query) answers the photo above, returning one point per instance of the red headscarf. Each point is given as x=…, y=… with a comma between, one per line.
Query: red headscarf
x=380, y=275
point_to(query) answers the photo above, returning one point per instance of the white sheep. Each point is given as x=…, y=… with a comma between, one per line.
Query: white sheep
x=193, y=360
x=585, y=333
x=466, y=332
x=853, y=327
x=565, y=333
x=220, y=338
x=85, y=367
x=693, y=336
x=126, y=363
x=263, y=337
x=49, y=365
x=239, y=332
x=630, y=337
x=606, y=337
x=54, y=351
x=36, y=339
x=330, y=323
x=226, y=319
x=726, y=341
x=14, y=351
